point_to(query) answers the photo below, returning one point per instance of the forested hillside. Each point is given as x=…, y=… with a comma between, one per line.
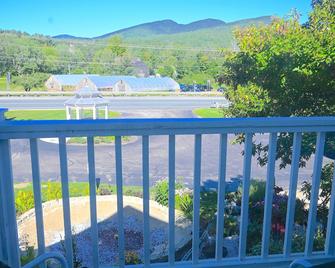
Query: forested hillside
x=192, y=54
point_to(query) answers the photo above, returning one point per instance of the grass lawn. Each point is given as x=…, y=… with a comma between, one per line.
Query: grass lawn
x=210, y=112
x=48, y=114
x=13, y=87
x=3, y=84
x=97, y=139
x=75, y=189
x=24, y=197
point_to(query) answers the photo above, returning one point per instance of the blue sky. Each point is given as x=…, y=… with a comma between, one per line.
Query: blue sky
x=90, y=18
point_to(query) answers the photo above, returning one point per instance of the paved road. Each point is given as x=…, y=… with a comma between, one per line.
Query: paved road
x=105, y=161
x=116, y=103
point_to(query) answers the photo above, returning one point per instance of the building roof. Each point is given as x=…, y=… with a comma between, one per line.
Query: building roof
x=71, y=79
x=87, y=97
x=107, y=81
x=135, y=83
x=152, y=84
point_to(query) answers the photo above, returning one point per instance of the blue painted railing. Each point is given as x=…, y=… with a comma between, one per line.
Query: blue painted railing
x=32, y=130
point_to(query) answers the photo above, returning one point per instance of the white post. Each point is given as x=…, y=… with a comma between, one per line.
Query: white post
x=77, y=113
x=68, y=112
x=9, y=221
x=106, y=112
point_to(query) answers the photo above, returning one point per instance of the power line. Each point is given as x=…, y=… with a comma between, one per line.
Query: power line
x=66, y=62
x=129, y=46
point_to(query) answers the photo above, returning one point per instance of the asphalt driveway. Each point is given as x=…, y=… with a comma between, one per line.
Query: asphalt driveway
x=105, y=161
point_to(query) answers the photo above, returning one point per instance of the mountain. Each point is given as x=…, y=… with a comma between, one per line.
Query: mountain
x=163, y=27
x=68, y=36
x=170, y=27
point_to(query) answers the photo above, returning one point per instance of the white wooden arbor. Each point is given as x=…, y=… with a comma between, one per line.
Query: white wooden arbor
x=86, y=98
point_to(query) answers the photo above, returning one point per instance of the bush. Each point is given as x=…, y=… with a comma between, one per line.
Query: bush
x=30, y=81
x=184, y=202
x=208, y=207
x=133, y=192
x=132, y=257
x=27, y=252
x=104, y=190
x=161, y=191
x=24, y=201
x=53, y=191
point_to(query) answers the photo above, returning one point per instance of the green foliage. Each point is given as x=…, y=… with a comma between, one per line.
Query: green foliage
x=77, y=261
x=47, y=114
x=104, y=190
x=208, y=207
x=131, y=257
x=324, y=195
x=52, y=191
x=285, y=69
x=256, y=215
x=31, y=81
x=184, y=203
x=24, y=197
x=27, y=251
x=24, y=55
x=247, y=101
x=3, y=83
x=167, y=70
x=161, y=192
x=24, y=201
x=257, y=191
x=116, y=47
x=197, y=78
x=210, y=112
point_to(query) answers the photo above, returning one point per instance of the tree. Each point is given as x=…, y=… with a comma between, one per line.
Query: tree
x=167, y=70
x=116, y=47
x=30, y=81
x=294, y=68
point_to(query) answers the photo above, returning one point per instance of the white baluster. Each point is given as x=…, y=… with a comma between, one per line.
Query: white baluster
x=172, y=179
x=118, y=165
x=270, y=183
x=6, y=180
x=66, y=200
x=292, y=193
x=196, y=199
x=93, y=201
x=245, y=195
x=316, y=179
x=146, y=200
x=37, y=196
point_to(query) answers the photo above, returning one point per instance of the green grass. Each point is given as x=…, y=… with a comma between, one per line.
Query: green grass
x=48, y=114
x=13, y=87
x=75, y=188
x=210, y=112
x=97, y=139
x=3, y=83
x=24, y=197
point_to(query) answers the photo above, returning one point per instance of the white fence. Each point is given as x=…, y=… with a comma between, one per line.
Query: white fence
x=145, y=128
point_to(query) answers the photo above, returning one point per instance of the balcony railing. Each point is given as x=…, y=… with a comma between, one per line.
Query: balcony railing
x=145, y=128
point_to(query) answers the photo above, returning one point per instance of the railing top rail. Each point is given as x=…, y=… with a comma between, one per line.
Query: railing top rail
x=11, y=129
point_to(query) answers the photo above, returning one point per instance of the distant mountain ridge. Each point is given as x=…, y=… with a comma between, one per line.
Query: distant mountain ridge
x=170, y=27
